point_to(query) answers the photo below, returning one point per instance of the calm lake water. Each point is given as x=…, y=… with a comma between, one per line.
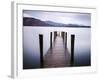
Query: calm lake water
x=31, y=58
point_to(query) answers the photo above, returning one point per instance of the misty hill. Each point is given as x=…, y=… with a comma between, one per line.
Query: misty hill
x=33, y=22
x=55, y=23
x=27, y=21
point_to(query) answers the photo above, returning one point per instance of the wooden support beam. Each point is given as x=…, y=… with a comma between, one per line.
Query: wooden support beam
x=50, y=39
x=66, y=40
x=62, y=34
x=55, y=35
x=72, y=49
x=41, y=50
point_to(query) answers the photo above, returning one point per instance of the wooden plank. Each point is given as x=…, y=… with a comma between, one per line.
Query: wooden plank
x=58, y=56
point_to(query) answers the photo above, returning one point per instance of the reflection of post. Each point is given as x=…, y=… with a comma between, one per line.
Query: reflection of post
x=50, y=39
x=41, y=49
x=72, y=49
x=66, y=40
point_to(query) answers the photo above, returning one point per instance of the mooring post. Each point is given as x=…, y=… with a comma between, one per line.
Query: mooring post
x=50, y=39
x=72, y=48
x=62, y=34
x=66, y=40
x=41, y=50
x=55, y=35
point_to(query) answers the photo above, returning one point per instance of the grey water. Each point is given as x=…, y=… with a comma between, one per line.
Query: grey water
x=31, y=54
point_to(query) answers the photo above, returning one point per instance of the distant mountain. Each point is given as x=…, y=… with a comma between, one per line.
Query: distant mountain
x=55, y=23
x=27, y=21
x=77, y=26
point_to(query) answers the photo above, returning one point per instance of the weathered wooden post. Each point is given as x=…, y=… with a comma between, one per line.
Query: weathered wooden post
x=50, y=39
x=66, y=40
x=62, y=34
x=41, y=49
x=72, y=49
x=55, y=35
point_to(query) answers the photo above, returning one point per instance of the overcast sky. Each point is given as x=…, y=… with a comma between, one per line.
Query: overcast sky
x=60, y=17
